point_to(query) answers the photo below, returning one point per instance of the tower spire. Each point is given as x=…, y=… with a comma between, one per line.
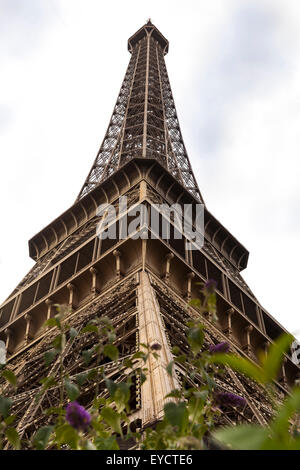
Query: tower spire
x=144, y=123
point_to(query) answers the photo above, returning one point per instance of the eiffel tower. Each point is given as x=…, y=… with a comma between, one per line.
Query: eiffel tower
x=142, y=284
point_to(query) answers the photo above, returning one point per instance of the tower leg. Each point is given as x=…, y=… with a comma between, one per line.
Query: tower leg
x=159, y=383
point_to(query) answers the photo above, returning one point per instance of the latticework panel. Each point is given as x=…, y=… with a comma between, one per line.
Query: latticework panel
x=144, y=123
x=175, y=315
x=30, y=401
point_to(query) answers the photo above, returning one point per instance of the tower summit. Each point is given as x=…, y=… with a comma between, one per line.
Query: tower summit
x=144, y=123
x=142, y=284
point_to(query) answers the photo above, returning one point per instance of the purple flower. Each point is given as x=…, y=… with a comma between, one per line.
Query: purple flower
x=219, y=348
x=210, y=286
x=227, y=398
x=156, y=347
x=77, y=416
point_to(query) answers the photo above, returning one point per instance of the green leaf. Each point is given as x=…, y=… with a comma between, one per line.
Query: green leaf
x=175, y=350
x=73, y=332
x=72, y=390
x=52, y=322
x=48, y=382
x=13, y=438
x=65, y=434
x=111, y=351
x=169, y=368
x=49, y=356
x=119, y=392
x=195, y=338
x=10, y=377
x=10, y=419
x=41, y=437
x=195, y=302
x=143, y=378
x=88, y=445
x=286, y=411
x=92, y=374
x=111, y=387
x=55, y=411
x=239, y=364
x=106, y=443
x=177, y=415
x=112, y=418
x=82, y=378
x=90, y=329
x=140, y=355
x=5, y=406
x=195, y=406
x=87, y=355
x=59, y=342
x=128, y=362
x=243, y=437
x=175, y=394
x=111, y=336
x=274, y=358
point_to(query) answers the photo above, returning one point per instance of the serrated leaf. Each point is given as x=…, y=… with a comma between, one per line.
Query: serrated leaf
x=128, y=362
x=143, y=378
x=49, y=356
x=73, y=333
x=89, y=329
x=111, y=351
x=174, y=394
x=10, y=377
x=55, y=411
x=48, y=382
x=82, y=378
x=65, y=434
x=243, y=437
x=140, y=355
x=13, y=438
x=111, y=336
x=169, y=368
x=121, y=395
x=5, y=406
x=41, y=437
x=111, y=387
x=177, y=415
x=87, y=355
x=112, y=418
x=195, y=338
x=10, y=419
x=195, y=302
x=106, y=443
x=239, y=364
x=286, y=411
x=72, y=390
x=52, y=322
x=93, y=373
x=272, y=361
x=59, y=342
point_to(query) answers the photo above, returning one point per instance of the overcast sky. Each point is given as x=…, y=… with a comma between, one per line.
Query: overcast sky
x=234, y=67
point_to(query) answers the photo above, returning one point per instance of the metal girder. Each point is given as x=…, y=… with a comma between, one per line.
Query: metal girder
x=144, y=123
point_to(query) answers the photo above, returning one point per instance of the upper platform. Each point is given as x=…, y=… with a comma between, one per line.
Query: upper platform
x=142, y=32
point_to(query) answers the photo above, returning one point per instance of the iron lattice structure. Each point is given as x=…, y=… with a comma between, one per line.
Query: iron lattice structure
x=144, y=123
x=142, y=285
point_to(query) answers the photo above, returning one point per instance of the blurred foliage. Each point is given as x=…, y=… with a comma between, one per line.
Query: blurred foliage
x=191, y=411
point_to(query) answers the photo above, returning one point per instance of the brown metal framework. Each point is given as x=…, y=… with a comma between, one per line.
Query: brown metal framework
x=144, y=122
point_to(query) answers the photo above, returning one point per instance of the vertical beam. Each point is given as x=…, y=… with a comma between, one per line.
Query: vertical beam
x=146, y=97
x=151, y=331
x=94, y=289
